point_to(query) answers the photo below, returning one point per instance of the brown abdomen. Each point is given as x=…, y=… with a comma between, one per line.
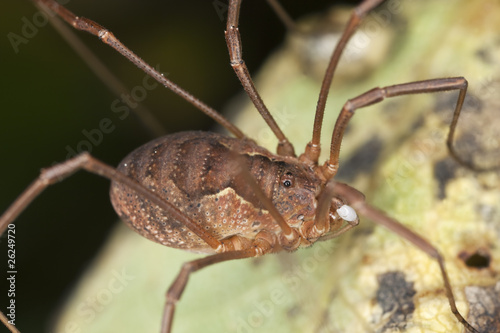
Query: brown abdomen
x=195, y=171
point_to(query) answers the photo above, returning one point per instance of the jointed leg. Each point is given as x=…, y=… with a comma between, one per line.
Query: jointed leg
x=283, y=15
x=233, y=41
x=262, y=244
x=290, y=238
x=356, y=200
x=259, y=247
x=107, y=37
x=84, y=161
x=103, y=73
x=377, y=95
x=5, y=321
x=313, y=148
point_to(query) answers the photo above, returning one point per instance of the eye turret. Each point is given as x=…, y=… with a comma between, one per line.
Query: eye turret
x=288, y=180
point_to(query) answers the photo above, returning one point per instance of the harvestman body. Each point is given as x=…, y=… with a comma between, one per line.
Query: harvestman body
x=229, y=197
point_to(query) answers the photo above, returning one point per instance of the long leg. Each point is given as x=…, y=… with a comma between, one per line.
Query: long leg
x=5, y=321
x=233, y=41
x=259, y=247
x=356, y=200
x=262, y=244
x=377, y=95
x=107, y=37
x=84, y=161
x=103, y=73
x=313, y=148
x=282, y=14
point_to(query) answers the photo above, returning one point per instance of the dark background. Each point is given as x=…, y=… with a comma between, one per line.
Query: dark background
x=48, y=96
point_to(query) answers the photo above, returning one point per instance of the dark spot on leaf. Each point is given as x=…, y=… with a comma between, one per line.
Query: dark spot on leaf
x=256, y=262
x=445, y=105
x=395, y=296
x=294, y=311
x=419, y=122
x=363, y=160
x=476, y=140
x=444, y=170
x=486, y=56
x=479, y=259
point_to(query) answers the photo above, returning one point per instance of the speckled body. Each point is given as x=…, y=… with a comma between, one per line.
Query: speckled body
x=196, y=172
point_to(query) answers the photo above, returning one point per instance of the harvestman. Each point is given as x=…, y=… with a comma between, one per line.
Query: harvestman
x=297, y=200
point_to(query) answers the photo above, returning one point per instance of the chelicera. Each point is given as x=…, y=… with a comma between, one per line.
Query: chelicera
x=229, y=197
